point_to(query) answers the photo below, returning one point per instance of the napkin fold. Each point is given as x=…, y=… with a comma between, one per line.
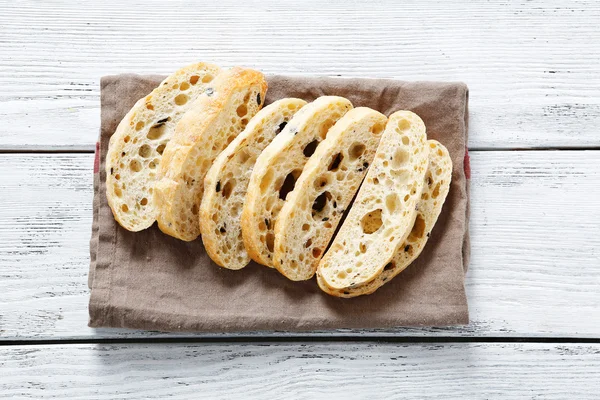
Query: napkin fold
x=148, y=280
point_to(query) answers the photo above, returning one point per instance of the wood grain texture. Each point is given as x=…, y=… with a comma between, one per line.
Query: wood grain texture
x=298, y=371
x=534, y=229
x=531, y=65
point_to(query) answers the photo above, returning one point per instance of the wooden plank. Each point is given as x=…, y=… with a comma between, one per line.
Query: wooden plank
x=534, y=265
x=531, y=65
x=299, y=371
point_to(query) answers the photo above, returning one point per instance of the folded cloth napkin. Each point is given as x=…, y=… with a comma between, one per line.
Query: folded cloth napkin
x=148, y=280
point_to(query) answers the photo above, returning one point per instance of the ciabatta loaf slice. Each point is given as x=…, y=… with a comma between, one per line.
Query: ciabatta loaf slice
x=227, y=180
x=326, y=187
x=213, y=122
x=436, y=188
x=278, y=168
x=136, y=148
x=385, y=208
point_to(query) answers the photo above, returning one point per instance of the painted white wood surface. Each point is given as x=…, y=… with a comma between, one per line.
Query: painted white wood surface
x=532, y=66
x=298, y=371
x=534, y=228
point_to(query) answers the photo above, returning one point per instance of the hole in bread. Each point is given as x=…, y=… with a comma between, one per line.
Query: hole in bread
x=392, y=202
x=436, y=191
x=418, y=229
x=160, y=149
x=308, y=243
x=242, y=156
x=144, y=201
x=440, y=153
x=117, y=176
x=244, y=122
x=289, y=183
x=241, y=110
x=145, y=151
x=149, y=106
x=371, y=222
x=135, y=165
x=389, y=266
x=270, y=241
x=305, y=227
x=124, y=208
x=175, y=86
x=375, y=181
x=399, y=158
x=262, y=226
x=310, y=148
x=139, y=125
x=152, y=164
x=403, y=124
x=228, y=188
x=280, y=127
x=181, y=99
x=266, y=181
x=362, y=247
x=425, y=196
x=316, y=252
x=377, y=128
x=320, y=203
x=127, y=138
x=356, y=150
x=405, y=140
x=194, y=79
x=195, y=209
x=207, y=78
x=335, y=162
x=321, y=182
x=157, y=129
x=184, y=86
x=328, y=123
x=118, y=191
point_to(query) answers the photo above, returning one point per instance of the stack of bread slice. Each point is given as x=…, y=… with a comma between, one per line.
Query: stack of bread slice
x=199, y=156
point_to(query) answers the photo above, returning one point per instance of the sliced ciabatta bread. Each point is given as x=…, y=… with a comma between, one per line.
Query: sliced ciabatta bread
x=435, y=190
x=326, y=187
x=227, y=180
x=278, y=168
x=213, y=122
x=136, y=148
x=384, y=210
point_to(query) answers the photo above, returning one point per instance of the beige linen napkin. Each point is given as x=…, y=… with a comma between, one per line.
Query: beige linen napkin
x=147, y=280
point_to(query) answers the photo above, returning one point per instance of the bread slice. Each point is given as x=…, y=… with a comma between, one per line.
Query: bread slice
x=436, y=188
x=384, y=210
x=331, y=177
x=278, y=168
x=136, y=148
x=227, y=180
x=214, y=121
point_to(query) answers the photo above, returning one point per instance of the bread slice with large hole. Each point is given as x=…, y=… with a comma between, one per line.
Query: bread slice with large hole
x=216, y=119
x=329, y=181
x=278, y=168
x=385, y=207
x=436, y=188
x=226, y=184
x=136, y=148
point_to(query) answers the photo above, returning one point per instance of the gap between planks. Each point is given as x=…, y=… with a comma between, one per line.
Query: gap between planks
x=306, y=338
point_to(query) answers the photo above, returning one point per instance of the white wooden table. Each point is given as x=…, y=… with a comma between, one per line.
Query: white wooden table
x=534, y=279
